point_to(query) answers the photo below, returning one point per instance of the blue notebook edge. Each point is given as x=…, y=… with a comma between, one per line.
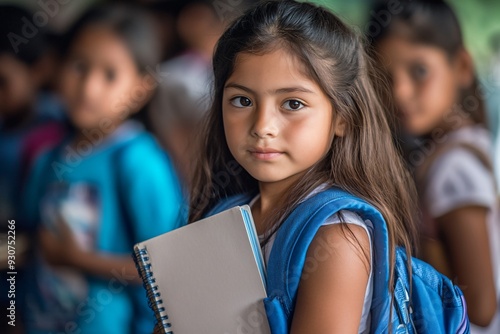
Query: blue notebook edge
x=254, y=241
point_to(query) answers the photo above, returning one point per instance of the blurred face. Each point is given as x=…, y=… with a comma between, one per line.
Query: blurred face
x=199, y=25
x=99, y=78
x=425, y=83
x=277, y=121
x=17, y=87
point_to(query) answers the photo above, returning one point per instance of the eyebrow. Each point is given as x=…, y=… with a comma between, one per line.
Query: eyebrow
x=277, y=91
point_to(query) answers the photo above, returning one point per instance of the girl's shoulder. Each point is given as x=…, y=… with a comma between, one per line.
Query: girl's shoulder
x=140, y=159
x=467, y=149
x=132, y=144
x=462, y=174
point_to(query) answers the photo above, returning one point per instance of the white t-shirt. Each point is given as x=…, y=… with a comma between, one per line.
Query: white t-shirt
x=350, y=218
x=458, y=178
x=183, y=92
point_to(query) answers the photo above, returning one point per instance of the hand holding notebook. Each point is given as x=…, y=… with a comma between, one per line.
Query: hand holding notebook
x=206, y=277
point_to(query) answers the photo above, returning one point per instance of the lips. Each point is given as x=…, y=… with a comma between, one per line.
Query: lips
x=407, y=110
x=264, y=153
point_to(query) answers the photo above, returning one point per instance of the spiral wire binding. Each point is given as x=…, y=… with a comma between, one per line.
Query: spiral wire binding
x=155, y=302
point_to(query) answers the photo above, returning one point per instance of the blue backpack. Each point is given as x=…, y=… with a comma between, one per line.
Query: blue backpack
x=435, y=306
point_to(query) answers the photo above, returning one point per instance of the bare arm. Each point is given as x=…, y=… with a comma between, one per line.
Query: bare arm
x=64, y=251
x=108, y=266
x=332, y=288
x=465, y=235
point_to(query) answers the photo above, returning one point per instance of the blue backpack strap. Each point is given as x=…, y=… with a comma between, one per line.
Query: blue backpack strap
x=289, y=251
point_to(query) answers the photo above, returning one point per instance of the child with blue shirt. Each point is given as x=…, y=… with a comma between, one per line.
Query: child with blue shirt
x=107, y=186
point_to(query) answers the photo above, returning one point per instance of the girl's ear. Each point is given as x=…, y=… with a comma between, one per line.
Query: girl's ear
x=465, y=68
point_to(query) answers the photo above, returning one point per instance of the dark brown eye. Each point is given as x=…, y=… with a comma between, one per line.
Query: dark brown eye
x=241, y=102
x=419, y=72
x=110, y=75
x=293, y=105
x=80, y=67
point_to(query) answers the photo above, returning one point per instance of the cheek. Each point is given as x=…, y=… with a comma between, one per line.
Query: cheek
x=117, y=99
x=233, y=129
x=133, y=90
x=68, y=86
x=12, y=96
x=13, y=93
x=312, y=136
x=120, y=94
x=21, y=85
x=18, y=95
x=438, y=96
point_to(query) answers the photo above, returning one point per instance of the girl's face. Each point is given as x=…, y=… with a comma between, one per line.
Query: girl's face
x=424, y=81
x=17, y=86
x=98, y=79
x=277, y=121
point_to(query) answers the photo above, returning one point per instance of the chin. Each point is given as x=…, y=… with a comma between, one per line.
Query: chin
x=266, y=177
x=83, y=124
x=418, y=130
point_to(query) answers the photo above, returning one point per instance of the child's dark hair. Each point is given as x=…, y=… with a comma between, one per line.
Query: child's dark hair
x=433, y=23
x=14, y=40
x=129, y=23
x=364, y=161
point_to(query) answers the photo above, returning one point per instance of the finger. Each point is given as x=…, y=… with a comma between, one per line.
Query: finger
x=48, y=242
x=65, y=232
x=158, y=329
x=46, y=238
x=62, y=225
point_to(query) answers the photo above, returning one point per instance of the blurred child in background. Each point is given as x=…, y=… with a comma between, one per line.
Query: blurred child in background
x=436, y=92
x=106, y=186
x=183, y=97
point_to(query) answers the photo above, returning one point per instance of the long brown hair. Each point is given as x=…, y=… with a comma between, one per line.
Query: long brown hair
x=363, y=162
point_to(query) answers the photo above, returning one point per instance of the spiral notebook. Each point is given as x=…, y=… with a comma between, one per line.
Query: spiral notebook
x=207, y=277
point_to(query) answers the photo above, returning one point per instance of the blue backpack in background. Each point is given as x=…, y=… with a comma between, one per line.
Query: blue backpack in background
x=435, y=305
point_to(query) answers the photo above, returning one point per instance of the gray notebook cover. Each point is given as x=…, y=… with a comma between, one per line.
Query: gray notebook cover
x=209, y=276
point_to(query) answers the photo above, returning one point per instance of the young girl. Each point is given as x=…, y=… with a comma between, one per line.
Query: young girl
x=436, y=93
x=295, y=113
x=107, y=186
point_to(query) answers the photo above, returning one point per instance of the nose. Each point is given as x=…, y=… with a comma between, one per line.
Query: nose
x=91, y=86
x=265, y=122
x=402, y=88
